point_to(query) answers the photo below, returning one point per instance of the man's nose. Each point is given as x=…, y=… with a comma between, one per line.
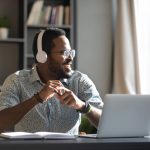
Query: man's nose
x=69, y=57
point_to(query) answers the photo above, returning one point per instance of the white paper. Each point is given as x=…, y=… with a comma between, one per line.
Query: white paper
x=36, y=135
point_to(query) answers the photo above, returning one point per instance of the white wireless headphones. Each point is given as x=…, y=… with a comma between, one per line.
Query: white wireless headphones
x=41, y=55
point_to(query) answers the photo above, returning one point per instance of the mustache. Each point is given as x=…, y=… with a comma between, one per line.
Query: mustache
x=67, y=61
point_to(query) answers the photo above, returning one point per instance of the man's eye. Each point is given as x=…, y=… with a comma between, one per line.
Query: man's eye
x=63, y=52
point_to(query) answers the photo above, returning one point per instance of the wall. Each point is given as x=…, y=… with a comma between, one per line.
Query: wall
x=94, y=41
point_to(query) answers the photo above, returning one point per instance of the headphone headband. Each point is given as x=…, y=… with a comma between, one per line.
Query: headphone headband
x=39, y=40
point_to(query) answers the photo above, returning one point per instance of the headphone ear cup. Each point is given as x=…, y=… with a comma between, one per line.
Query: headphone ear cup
x=41, y=56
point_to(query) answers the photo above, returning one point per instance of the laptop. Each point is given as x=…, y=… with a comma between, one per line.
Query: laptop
x=124, y=115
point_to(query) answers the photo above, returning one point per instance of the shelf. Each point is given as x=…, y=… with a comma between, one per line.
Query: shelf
x=48, y=25
x=12, y=48
x=30, y=56
x=12, y=40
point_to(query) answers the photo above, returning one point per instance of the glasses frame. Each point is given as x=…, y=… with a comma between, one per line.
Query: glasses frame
x=66, y=53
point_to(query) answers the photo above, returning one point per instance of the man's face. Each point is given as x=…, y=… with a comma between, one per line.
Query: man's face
x=58, y=64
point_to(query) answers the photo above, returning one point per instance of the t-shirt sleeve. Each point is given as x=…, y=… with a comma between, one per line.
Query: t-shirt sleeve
x=9, y=92
x=88, y=92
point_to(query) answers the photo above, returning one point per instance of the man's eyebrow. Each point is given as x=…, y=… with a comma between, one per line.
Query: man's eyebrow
x=66, y=49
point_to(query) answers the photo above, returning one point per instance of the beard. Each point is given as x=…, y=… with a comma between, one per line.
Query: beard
x=62, y=74
x=60, y=71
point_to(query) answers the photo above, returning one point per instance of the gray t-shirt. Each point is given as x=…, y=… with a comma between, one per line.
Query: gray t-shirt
x=51, y=115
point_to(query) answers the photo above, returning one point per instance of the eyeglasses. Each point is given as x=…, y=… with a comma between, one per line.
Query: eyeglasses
x=66, y=53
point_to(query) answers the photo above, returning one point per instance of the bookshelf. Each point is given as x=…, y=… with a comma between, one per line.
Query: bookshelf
x=16, y=50
x=11, y=49
x=33, y=26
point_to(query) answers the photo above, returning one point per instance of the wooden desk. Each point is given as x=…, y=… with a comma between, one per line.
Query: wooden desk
x=78, y=144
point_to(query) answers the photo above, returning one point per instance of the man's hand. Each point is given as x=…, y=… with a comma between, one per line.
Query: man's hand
x=70, y=99
x=52, y=87
x=66, y=97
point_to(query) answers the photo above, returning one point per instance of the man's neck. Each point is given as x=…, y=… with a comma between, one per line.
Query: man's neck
x=44, y=74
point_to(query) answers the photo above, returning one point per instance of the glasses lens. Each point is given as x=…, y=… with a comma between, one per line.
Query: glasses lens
x=68, y=53
x=72, y=53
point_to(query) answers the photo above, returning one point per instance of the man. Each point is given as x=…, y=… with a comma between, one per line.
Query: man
x=51, y=96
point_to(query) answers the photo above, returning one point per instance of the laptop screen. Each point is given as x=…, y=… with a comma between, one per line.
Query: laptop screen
x=125, y=115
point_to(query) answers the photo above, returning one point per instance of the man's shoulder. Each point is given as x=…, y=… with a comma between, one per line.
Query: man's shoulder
x=22, y=73
x=82, y=78
x=14, y=79
x=78, y=74
x=19, y=74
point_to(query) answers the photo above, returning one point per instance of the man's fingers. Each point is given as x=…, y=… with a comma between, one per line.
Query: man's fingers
x=55, y=83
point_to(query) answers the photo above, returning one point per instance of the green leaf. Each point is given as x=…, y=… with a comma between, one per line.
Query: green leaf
x=4, y=22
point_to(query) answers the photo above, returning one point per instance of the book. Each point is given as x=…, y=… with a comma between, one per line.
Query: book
x=59, y=15
x=46, y=14
x=53, y=15
x=35, y=13
x=36, y=135
x=67, y=15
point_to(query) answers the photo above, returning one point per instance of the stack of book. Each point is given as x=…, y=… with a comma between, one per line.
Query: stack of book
x=43, y=15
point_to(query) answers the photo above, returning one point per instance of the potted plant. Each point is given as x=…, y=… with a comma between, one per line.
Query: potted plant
x=4, y=27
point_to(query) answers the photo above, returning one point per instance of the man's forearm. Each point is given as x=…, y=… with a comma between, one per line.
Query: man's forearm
x=11, y=116
x=94, y=116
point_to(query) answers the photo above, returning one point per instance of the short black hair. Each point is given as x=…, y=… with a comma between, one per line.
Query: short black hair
x=47, y=40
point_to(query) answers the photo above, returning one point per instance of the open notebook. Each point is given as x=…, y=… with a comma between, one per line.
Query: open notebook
x=124, y=115
x=36, y=135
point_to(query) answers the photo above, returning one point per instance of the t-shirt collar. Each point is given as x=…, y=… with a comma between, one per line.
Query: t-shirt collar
x=35, y=77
